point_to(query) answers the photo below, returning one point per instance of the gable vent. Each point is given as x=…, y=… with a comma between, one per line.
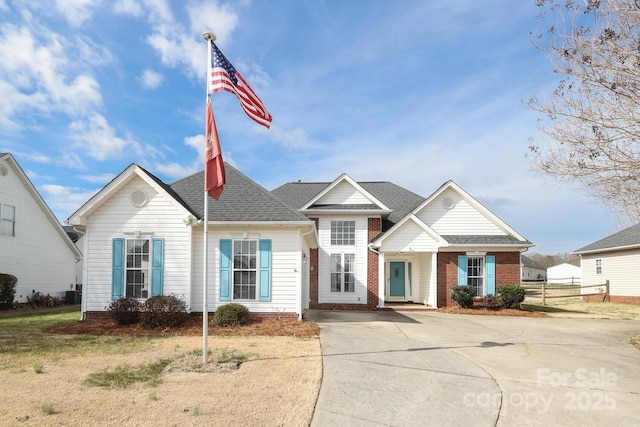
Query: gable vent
x=3, y=170
x=448, y=203
x=138, y=198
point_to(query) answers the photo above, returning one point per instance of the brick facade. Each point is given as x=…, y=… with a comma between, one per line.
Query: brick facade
x=374, y=226
x=507, y=272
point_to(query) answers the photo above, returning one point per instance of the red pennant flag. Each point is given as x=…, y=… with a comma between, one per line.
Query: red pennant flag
x=214, y=177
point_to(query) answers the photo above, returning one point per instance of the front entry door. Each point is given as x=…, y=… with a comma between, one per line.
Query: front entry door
x=396, y=281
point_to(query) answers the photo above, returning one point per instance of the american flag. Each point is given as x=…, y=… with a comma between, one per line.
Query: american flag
x=225, y=77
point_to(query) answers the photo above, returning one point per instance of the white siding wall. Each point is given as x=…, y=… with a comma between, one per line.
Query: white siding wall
x=622, y=269
x=37, y=255
x=286, y=273
x=159, y=218
x=343, y=193
x=324, y=261
x=462, y=219
x=409, y=237
x=564, y=274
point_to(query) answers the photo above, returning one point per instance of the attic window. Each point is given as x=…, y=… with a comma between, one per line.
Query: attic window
x=138, y=198
x=448, y=203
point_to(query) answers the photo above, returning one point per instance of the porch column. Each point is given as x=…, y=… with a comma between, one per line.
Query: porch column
x=381, y=280
x=433, y=281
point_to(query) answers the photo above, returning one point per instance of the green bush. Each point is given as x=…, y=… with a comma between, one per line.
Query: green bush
x=125, y=311
x=231, y=315
x=163, y=311
x=491, y=302
x=38, y=299
x=7, y=290
x=463, y=295
x=511, y=295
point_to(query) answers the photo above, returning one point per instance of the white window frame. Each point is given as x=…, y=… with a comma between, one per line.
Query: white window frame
x=244, y=273
x=599, y=266
x=346, y=282
x=479, y=281
x=7, y=220
x=343, y=233
x=137, y=288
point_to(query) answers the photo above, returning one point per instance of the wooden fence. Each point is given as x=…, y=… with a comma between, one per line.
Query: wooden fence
x=546, y=290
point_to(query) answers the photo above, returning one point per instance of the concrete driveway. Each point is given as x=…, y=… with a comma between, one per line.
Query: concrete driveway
x=393, y=369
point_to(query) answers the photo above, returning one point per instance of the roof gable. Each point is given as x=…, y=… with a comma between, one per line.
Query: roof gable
x=7, y=164
x=451, y=211
x=345, y=193
x=408, y=235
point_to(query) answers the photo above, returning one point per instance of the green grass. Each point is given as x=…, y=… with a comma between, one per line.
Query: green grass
x=125, y=375
x=25, y=342
x=48, y=409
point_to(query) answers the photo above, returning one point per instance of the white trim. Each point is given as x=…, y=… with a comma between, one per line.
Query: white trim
x=348, y=179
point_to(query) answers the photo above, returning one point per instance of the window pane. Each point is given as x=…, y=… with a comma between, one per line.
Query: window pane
x=343, y=232
x=244, y=269
x=137, y=268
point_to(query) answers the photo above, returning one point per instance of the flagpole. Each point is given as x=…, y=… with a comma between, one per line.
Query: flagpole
x=209, y=37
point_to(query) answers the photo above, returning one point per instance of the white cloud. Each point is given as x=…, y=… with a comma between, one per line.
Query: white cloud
x=98, y=138
x=102, y=178
x=296, y=138
x=150, y=79
x=76, y=12
x=128, y=7
x=64, y=200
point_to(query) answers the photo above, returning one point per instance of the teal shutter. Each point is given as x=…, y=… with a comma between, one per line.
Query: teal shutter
x=264, y=293
x=117, y=268
x=462, y=270
x=157, y=266
x=225, y=270
x=490, y=261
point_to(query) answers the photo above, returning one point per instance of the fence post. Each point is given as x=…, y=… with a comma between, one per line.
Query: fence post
x=607, y=296
x=543, y=293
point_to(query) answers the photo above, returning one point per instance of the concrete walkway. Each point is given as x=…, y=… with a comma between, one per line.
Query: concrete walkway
x=393, y=369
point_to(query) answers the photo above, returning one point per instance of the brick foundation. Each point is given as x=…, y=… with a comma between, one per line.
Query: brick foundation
x=507, y=273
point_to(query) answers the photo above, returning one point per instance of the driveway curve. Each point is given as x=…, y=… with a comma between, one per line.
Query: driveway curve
x=399, y=369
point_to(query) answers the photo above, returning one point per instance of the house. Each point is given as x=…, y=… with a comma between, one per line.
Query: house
x=341, y=244
x=33, y=245
x=531, y=270
x=615, y=258
x=564, y=274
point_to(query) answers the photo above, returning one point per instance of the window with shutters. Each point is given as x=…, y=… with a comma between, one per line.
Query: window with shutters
x=137, y=268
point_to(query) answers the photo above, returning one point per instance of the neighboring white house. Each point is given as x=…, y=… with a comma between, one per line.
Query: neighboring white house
x=33, y=245
x=340, y=244
x=531, y=270
x=615, y=258
x=564, y=274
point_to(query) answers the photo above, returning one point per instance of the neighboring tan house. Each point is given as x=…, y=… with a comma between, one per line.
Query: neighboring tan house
x=33, y=245
x=615, y=258
x=564, y=274
x=341, y=244
x=531, y=270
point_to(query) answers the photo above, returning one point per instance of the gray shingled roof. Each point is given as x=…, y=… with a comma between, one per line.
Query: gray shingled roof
x=242, y=199
x=629, y=237
x=528, y=262
x=400, y=200
x=484, y=240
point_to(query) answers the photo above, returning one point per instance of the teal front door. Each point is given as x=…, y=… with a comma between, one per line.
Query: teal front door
x=396, y=281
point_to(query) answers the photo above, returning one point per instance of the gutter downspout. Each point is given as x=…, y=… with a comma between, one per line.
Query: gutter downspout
x=83, y=304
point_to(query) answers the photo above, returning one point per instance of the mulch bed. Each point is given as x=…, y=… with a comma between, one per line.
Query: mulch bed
x=193, y=326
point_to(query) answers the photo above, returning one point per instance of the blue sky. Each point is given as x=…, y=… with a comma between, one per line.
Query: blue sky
x=413, y=92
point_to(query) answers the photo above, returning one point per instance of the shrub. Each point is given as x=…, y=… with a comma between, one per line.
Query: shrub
x=163, y=311
x=125, y=311
x=7, y=290
x=231, y=315
x=511, y=295
x=491, y=302
x=463, y=295
x=48, y=300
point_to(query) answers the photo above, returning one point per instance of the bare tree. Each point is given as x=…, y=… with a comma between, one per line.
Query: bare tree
x=591, y=126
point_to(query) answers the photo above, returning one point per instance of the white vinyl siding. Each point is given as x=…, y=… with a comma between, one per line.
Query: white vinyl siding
x=343, y=194
x=39, y=254
x=117, y=217
x=359, y=295
x=409, y=237
x=462, y=219
x=286, y=266
x=620, y=268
